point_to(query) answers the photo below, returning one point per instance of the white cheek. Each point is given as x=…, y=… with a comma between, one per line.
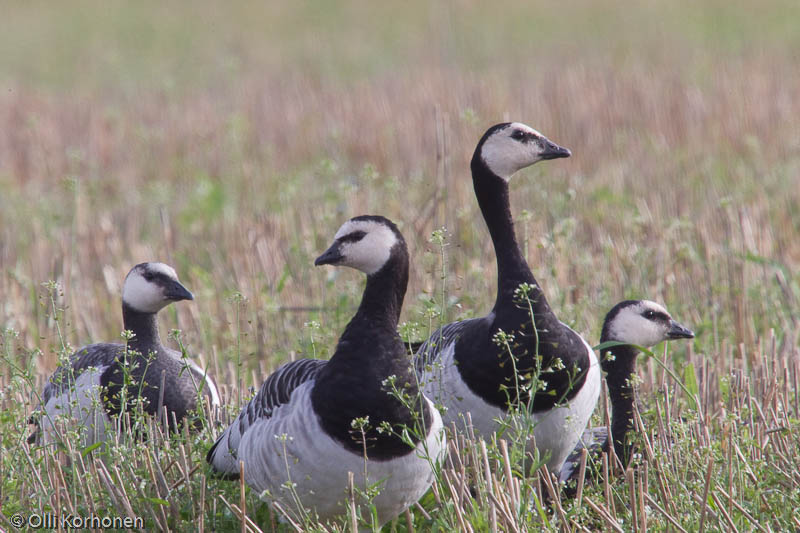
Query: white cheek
x=367, y=255
x=143, y=296
x=505, y=156
x=641, y=332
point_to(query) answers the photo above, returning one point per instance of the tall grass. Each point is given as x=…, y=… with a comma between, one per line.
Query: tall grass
x=231, y=144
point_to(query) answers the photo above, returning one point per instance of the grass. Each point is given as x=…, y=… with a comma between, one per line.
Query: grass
x=232, y=143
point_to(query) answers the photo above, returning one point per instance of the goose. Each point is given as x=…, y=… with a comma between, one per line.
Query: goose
x=90, y=388
x=636, y=323
x=462, y=367
x=300, y=435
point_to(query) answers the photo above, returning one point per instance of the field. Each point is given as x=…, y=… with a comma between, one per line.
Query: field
x=231, y=142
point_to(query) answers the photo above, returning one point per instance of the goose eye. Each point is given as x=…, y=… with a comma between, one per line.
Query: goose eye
x=353, y=237
x=518, y=135
x=649, y=314
x=148, y=276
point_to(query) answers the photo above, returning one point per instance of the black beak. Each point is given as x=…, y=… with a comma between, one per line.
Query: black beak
x=553, y=151
x=331, y=256
x=677, y=331
x=175, y=291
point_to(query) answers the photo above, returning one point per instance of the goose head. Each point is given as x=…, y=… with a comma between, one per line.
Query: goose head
x=149, y=287
x=365, y=243
x=641, y=323
x=508, y=147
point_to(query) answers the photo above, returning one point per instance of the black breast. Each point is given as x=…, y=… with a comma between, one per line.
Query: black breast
x=508, y=375
x=361, y=388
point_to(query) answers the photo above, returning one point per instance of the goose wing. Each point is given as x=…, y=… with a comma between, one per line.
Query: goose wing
x=595, y=440
x=98, y=356
x=276, y=390
x=443, y=337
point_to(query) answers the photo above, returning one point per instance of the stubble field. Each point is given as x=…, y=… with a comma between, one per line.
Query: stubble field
x=232, y=142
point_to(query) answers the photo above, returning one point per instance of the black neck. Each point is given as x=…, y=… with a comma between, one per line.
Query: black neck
x=619, y=373
x=382, y=300
x=145, y=329
x=512, y=268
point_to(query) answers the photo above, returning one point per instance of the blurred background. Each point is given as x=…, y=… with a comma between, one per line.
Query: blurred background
x=231, y=141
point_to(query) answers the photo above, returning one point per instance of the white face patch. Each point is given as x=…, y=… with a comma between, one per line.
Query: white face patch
x=371, y=252
x=505, y=155
x=631, y=327
x=146, y=296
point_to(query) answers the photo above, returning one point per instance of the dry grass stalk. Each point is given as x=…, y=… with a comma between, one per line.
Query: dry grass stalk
x=351, y=493
x=242, y=500
x=604, y=514
x=248, y=526
x=665, y=514
x=489, y=487
x=629, y=478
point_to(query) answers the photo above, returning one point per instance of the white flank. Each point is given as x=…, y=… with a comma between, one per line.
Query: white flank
x=79, y=406
x=289, y=458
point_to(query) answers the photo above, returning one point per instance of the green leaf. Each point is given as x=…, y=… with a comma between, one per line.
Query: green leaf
x=89, y=449
x=690, y=379
x=158, y=501
x=282, y=281
x=609, y=344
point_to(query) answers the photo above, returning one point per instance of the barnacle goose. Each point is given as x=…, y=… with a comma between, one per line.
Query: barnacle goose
x=636, y=323
x=553, y=378
x=297, y=437
x=91, y=389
